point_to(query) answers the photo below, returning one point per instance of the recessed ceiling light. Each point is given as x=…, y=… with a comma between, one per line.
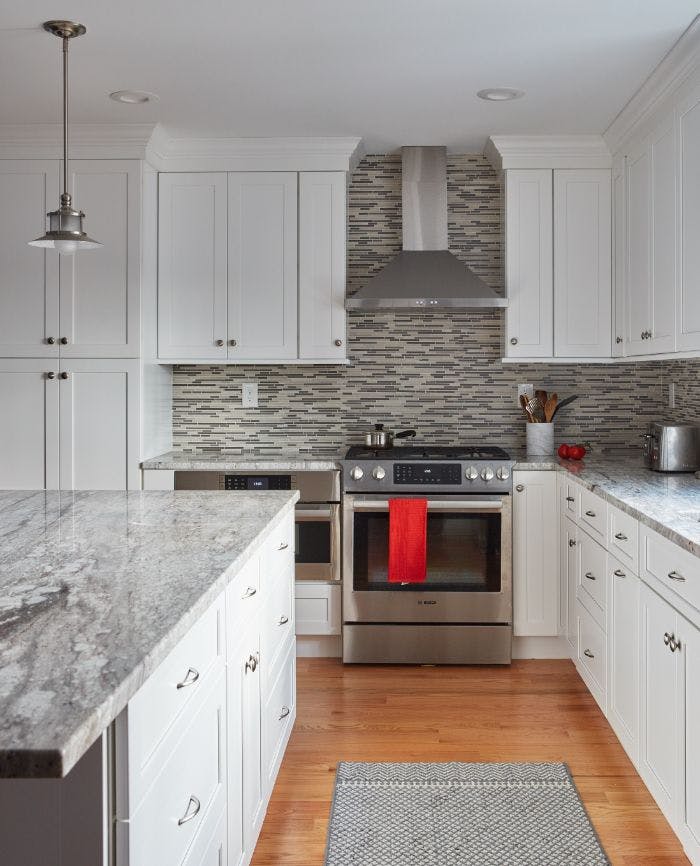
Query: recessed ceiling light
x=500, y=94
x=133, y=97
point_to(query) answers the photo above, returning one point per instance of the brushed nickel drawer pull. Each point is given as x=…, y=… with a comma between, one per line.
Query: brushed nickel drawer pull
x=283, y=545
x=571, y=499
x=191, y=812
x=285, y=712
x=590, y=576
x=621, y=536
x=250, y=592
x=590, y=514
x=619, y=573
x=674, y=575
x=667, y=638
x=283, y=620
x=588, y=653
x=191, y=678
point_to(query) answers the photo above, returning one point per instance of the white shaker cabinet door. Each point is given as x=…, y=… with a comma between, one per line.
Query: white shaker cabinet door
x=100, y=288
x=192, y=266
x=29, y=290
x=638, y=258
x=29, y=393
x=322, y=221
x=529, y=315
x=99, y=426
x=619, y=270
x=688, y=334
x=582, y=263
x=262, y=265
x=690, y=638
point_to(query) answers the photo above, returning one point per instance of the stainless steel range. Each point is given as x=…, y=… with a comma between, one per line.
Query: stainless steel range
x=462, y=613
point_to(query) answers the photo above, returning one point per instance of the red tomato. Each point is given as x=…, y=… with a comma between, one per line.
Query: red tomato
x=564, y=451
x=577, y=452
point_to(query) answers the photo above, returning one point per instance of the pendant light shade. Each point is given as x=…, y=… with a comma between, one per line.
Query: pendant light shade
x=65, y=232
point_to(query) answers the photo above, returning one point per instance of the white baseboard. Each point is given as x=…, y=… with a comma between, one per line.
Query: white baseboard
x=323, y=646
x=540, y=648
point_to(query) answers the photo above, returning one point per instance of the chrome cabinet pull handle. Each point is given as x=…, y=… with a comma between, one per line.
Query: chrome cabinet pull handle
x=192, y=811
x=619, y=573
x=588, y=653
x=285, y=712
x=572, y=542
x=590, y=576
x=667, y=638
x=249, y=592
x=283, y=620
x=570, y=499
x=620, y=536
x=674, y=575
x=191, y=678
x=590, y=514
x=283, y=545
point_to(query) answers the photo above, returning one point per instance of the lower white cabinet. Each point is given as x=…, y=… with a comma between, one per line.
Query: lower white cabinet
x=569, y=564
x=690, y=648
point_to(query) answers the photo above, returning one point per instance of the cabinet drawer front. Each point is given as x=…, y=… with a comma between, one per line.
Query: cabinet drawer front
x=278, y=622
x=591, y=649
x=209, y=848
x=593, y=574
x=317, y=609
x=190, y=783
x=243, y=599
x=623, y=537
x=677, y=569
x=175, y=687
x=278, y=554
x=593, y=514
x=278, y=715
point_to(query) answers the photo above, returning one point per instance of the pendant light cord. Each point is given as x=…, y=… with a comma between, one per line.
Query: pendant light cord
x=65, y=121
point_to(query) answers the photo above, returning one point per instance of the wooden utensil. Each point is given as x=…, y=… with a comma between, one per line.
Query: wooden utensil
x=541, y=396
x=523, y=403
x=550, y=407
x=536, y=409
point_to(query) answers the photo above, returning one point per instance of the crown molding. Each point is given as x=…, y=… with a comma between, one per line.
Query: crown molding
x=676, y=67
x=547, y=151
x=85, y=141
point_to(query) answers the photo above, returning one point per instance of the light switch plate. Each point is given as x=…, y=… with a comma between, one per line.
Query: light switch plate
x=250, y=395
x=527, y=390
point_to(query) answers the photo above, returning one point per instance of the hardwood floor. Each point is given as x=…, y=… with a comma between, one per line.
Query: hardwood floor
x=532, y=711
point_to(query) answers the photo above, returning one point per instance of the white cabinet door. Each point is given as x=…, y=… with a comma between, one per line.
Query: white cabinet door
x=529, y=315
x=690, y=648
x=638, y=257
x=99, y=426
x=29, y=291
x=661, y=728
x=623, y=654
x=322, y=222
x=29, y=427
x=262, y=265
x=100, y=289
x=251, y=730
x=192, y=266
x=570, y=567
x=535, y=575
x=688, y=126
x=236, y=673
x=582, y=263
x=618, y=253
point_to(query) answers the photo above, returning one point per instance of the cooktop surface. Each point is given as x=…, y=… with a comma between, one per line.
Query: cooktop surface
x=428, y=452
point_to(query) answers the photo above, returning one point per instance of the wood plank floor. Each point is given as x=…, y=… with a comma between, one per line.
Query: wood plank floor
x=532, y=711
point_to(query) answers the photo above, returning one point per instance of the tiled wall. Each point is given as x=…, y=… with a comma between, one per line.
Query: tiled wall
x=439, y=372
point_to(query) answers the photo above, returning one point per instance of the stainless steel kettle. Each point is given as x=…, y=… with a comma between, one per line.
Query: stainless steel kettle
x=379, y=438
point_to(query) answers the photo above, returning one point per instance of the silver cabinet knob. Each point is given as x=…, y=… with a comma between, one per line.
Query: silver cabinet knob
x=503, y=473
x=338, y=343
x=284, y=713
x=378, y=472
x=356, y=473
x=674, y=644
x=618, y=339
x=219, y=342
x=667, y=638
x=572, y=542
x=64, y=341
x=471, y=473
x=514, y=341
x=64, y=375
x=520, y=487
x=51, y=375
x=50, y=340
x=487, y=473
x=232, y=343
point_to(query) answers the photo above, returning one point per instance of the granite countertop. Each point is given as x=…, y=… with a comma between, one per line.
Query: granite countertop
x=222, y=461
x=666, y=502
x=95, y=589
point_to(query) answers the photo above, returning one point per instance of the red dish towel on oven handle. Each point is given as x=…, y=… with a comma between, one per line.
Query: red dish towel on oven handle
x=408, y=524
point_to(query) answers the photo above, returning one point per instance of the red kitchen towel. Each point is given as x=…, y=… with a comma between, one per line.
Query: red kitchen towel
x=408, y=523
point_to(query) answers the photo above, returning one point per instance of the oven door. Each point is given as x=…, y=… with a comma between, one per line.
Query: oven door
x=469, y=572
x=317, y=540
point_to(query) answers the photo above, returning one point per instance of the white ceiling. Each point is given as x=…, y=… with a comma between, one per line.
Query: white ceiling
x=391, y=71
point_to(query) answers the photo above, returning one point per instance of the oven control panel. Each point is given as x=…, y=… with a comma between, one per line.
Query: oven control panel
x=257, y=482
x=427, y=473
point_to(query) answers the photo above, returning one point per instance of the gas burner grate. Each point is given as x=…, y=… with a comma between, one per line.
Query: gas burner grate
x=429, y=452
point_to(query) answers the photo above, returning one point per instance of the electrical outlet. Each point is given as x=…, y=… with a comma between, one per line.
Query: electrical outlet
x=250, y=395
x=672, y=395
x=527, y=390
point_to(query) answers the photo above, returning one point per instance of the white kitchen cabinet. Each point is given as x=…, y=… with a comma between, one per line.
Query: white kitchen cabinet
x=661, y=743
x=262, y=265
x=29, y=296
x=689, y=636
x=529, y=279
x=192, y=266
x=535, y=578
x=570, y=565
x=623, y=654
x=582, y=255
x=638, y=252
x=29, y=429
x=619, y=271
x=688, y=131
x=99, y=294
x=322, y=229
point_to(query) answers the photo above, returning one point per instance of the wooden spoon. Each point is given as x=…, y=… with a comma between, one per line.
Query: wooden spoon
x=550, y=407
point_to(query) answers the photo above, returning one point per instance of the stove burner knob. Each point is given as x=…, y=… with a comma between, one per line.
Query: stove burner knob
x=378, y=473
x=356, y=473
x=471, y=473
x=503, y=473
x=487, y=473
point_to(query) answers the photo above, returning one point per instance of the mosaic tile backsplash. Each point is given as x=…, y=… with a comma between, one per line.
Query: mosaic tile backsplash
x=440, y=373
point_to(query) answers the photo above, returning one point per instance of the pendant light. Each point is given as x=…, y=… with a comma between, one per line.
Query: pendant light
x=65, y=233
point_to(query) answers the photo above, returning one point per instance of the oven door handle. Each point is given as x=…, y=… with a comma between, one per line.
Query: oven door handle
x=309, y=513
x=434, y=505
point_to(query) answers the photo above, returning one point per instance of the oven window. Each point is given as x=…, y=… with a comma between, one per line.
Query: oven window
x=313, y=541
x=463, y=553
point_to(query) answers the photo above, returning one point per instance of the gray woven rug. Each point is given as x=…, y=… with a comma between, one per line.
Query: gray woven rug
x=459, y=815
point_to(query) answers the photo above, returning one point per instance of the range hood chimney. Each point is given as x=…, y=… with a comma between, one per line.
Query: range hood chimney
x=424, y=275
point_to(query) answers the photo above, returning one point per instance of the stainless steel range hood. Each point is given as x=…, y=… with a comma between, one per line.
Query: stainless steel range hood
x=424, y=275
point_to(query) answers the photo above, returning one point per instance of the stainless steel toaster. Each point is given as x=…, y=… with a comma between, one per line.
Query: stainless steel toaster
x=672, y=447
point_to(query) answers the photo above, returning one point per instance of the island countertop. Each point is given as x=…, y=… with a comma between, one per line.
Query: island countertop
x=95, y=589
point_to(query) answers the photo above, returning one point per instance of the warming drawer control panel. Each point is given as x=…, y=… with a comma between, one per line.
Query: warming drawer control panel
x=257, y=482
x=427, y=473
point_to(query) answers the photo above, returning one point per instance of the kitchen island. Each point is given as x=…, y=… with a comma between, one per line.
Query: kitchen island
x=98, y=591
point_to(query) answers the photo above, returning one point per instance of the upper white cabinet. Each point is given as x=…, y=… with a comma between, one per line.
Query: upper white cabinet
x=688, y=320
x=252, y=267
x=619, y=239
x=582, y=256
x=322, y=221
x=528, y=220
x=192, y=266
